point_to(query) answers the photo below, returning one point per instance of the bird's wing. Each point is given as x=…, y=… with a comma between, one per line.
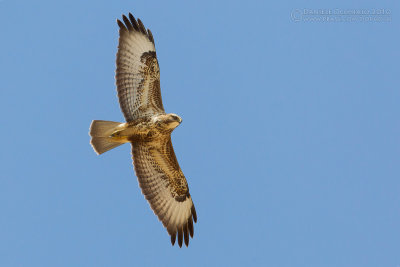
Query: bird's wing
x=165, y=187
x=137, y=74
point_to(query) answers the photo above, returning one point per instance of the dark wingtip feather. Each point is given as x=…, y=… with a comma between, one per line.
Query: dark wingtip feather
x=190, y=227
x=180, y=237
x=137, y=25
x=133, y=22
x=150, y=35
x=194, y=214
x=141, y=27
x=127, y=22
x=121, y=25
x=186, y=234
x=173, y=238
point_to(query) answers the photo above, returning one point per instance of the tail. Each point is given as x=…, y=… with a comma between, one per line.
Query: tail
x=100, y=132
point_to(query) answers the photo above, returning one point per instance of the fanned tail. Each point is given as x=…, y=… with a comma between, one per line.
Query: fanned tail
x=101, y=131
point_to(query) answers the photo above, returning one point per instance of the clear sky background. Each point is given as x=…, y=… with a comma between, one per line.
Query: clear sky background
x=290, y=138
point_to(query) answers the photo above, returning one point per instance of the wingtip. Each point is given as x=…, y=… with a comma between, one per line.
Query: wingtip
x=131, y=24
x=142, y=28
x=180, y=237
x=186, y=234
x=190, y=227
x=150, y=35
x=173, y=239
x=127, y=22
x=121, y=25
x=194, y=214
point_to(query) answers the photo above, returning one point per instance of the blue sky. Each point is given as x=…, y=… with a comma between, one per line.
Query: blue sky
x=289, y=141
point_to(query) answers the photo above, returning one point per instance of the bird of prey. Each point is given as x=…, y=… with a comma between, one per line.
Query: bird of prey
x=148, y=128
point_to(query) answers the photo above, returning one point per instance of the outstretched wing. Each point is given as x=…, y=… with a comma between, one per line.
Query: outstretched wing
x=137, y=75
x=165, y=187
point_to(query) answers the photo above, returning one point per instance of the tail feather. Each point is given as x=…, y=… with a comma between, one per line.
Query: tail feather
x=102, y=128
x=103, y=144
x=100, y=132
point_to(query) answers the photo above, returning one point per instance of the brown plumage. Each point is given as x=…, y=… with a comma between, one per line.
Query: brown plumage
x=148, y=128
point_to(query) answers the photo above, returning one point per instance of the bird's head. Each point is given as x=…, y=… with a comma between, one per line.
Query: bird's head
x=168, y=121
x=173, y=120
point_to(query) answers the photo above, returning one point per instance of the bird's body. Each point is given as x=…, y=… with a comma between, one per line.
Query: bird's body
x=148, y=128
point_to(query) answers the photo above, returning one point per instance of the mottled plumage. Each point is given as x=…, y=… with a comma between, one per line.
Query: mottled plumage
x=137, y=75
x=148, y=128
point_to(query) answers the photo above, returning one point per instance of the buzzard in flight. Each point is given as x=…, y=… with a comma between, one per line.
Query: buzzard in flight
x=148, y=128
